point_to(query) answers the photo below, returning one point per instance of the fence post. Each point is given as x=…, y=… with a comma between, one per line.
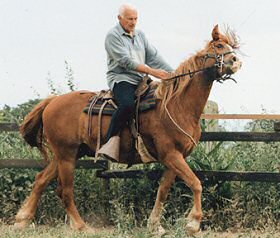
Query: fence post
x=105, y=187
x=277, y=126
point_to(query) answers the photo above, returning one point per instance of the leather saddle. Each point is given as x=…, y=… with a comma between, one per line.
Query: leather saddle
x=103, y=104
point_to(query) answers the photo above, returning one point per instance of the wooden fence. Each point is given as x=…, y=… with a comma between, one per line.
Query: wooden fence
x=104, y=172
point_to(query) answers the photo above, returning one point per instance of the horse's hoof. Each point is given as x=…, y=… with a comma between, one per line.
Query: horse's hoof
x=83, y=228
x=193, y=226
x=90, y=230
x=161, y=231
x=158, y=231
x=21, y=225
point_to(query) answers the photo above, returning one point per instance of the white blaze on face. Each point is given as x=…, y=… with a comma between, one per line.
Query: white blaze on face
x=231, y=62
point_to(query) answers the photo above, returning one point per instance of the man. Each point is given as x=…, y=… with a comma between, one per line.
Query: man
x=129, y=57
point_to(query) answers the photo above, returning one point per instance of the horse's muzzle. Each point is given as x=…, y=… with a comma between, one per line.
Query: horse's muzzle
x=232, y=65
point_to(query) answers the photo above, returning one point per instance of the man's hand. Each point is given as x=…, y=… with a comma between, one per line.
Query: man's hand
x=160, y=73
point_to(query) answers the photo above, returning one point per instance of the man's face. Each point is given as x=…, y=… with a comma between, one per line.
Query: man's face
x=129, y=20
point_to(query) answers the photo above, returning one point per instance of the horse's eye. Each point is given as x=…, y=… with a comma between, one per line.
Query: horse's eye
x=219, y=46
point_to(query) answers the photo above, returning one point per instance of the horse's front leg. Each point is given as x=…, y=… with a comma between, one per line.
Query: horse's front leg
x=154, y=221
x=175, y=162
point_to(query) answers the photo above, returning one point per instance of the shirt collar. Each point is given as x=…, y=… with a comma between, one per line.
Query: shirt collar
x=123, y=32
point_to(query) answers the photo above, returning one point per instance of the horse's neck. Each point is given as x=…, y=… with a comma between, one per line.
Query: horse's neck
x=193, y=98
x=196, y=95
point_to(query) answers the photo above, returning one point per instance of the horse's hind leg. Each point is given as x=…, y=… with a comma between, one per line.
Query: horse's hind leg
x=28, y=210
x=167, y=180
x=66, y=193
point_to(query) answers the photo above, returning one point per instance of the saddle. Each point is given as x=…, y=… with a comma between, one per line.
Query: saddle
x=147, y=102
x=103, y=104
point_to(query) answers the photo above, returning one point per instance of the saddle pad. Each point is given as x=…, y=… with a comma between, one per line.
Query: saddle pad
x=147, y=102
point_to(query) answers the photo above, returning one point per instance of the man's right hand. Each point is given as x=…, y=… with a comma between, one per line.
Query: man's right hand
x=160, y=73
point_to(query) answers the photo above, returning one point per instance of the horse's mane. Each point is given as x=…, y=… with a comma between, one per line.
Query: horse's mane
x=171, y=89
x=233, y=38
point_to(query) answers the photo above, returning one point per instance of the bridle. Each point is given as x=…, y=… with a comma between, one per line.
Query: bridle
x=219, y=63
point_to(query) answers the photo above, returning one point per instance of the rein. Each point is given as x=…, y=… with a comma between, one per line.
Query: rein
x=190, y=73
x=218, y=65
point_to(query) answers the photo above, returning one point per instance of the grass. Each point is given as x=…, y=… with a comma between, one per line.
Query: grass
x=64, y=231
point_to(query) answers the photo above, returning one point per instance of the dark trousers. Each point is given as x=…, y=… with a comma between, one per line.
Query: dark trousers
x=124, y=94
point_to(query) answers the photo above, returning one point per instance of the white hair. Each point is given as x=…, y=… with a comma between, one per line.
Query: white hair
x=125, y=7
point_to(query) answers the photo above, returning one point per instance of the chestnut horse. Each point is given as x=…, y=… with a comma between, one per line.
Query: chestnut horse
x=170, y=132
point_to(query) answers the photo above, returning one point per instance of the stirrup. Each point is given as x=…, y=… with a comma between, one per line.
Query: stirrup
x=111, y=149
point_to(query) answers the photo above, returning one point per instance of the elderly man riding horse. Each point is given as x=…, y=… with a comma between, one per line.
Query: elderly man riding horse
x=170, y=131
x=129, y=57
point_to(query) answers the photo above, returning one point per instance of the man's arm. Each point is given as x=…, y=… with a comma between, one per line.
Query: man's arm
x=117, y=50
x=158, y=73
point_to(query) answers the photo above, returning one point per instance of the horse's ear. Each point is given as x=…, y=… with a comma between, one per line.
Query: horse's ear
x=216, y=33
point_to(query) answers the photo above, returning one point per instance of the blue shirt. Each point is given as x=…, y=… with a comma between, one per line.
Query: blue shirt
x=125, y=53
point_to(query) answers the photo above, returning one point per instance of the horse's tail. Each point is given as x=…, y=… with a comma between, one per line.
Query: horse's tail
x=32, y=127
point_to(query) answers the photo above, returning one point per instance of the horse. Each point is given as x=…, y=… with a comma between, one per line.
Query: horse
x=170, y=132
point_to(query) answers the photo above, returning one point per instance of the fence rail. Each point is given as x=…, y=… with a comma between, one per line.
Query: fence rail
x=241, y=116
x=8, y=127
x=204, y=175
x=241, y=136
x=102, y=165
x=40, y=164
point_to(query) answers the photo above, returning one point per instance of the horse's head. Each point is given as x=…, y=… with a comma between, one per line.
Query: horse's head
x=220, y=55
x=217, y=60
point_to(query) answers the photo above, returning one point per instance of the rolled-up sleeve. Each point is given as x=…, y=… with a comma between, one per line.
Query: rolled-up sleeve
x=119, y=53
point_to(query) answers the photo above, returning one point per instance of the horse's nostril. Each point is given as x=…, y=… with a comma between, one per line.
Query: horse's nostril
x=234, y=59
